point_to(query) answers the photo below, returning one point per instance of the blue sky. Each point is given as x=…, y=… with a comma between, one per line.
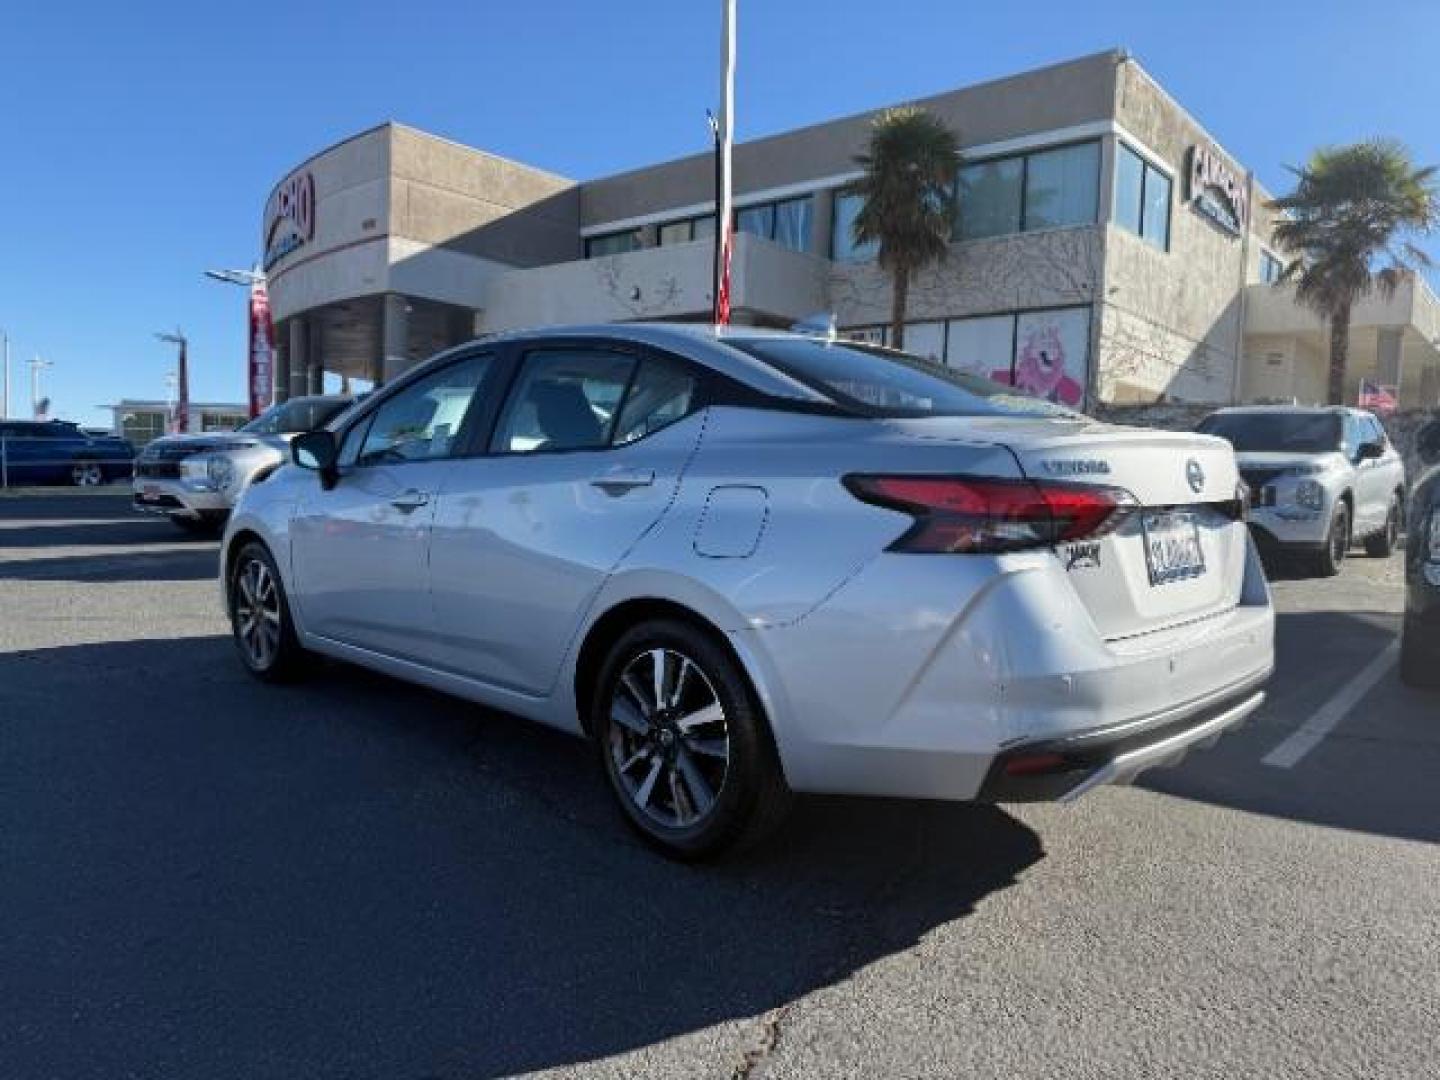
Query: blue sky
x=138, y=141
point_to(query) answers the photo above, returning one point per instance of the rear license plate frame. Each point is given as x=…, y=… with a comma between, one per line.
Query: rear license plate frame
x=1187, y=526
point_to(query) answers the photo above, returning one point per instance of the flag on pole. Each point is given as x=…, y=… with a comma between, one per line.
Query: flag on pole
x=262, y=349
x=180, y=422
x=725, y=236
x=1381, y=400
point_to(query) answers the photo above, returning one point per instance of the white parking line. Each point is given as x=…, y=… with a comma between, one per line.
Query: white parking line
x=1309, y=734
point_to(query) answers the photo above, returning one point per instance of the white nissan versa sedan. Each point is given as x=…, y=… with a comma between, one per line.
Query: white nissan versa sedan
x=748, y=563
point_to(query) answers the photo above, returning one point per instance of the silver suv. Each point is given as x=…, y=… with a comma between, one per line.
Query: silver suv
x=195, y=480
x=1320, y=480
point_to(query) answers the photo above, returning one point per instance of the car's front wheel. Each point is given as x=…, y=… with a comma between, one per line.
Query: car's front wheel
x=1337, y=545
x=260, y=620
x=684, y=742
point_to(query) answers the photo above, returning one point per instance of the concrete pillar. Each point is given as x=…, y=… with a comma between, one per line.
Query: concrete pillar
x=395, y=337
x=822, y=212
x=282, y=363
x=1389, y=355
x=299, y=355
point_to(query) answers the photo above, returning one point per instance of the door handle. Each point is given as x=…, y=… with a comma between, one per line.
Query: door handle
x=620, y=480
x=411, y=499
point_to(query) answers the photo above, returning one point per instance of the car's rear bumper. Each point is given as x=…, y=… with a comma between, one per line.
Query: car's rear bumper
x=1067, y=767
x=882, y=692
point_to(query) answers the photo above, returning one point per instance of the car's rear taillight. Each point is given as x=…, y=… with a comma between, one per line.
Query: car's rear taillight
x=976, y=515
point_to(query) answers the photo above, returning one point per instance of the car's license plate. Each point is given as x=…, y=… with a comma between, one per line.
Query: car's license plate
x=1172, y=547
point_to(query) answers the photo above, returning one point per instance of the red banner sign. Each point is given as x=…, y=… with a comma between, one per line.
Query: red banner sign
x=262, y=351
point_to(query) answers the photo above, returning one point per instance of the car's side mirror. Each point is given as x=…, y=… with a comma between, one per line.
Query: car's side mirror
x=317, y=451
x=1369, y=451
x=1427, y=443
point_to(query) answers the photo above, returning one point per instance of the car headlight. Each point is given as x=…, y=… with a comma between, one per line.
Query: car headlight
x=220, y=471
x=1310, y=494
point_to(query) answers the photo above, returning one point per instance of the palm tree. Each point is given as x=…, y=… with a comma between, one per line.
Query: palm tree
x=909, y=209
x=1349, y=223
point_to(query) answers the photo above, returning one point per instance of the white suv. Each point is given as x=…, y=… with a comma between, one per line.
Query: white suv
x=1320, y=479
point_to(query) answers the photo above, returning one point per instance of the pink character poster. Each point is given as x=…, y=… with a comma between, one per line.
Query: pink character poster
x=1050, y=352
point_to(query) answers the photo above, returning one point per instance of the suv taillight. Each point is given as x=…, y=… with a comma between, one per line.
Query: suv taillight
x=979, y=515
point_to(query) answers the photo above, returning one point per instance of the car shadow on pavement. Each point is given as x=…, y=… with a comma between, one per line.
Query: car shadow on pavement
x=355, y=877
x=1373, y=772
x=111, y=533
x=184, y=560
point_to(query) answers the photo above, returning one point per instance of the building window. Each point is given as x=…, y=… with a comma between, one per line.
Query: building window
x=1048, y=189
x=1043, y=352
x=786, y=222
x=1062, y=187
x=616, y=243
x=842, y=232
x=1142, y=197
x=141, y=428
x=1270, y=268
x=682, y=232
x=222, y=421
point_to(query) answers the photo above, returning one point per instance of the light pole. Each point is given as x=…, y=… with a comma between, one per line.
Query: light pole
x=5, y=386
x=180, y=410
x=36, y=366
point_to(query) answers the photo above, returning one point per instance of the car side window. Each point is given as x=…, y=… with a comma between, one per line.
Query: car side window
x=423, y=421
x=565, y=398
x=663, y=391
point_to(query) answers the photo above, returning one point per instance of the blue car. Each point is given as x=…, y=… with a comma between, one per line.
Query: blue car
x=57, y=452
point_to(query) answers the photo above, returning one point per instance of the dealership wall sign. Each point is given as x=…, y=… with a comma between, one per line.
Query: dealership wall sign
x=1217, y=190
x=289, y=217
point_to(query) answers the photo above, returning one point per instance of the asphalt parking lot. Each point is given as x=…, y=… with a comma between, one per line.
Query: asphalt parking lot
x=356, y=878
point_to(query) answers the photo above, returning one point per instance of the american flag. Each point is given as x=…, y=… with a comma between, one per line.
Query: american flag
x=1378, y=399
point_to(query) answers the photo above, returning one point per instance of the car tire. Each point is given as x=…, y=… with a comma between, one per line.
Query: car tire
x=1332, y=555
x=687, y=752
x=260, y=621
x=1418, y=668
x=1383, y=544
x=87, y=474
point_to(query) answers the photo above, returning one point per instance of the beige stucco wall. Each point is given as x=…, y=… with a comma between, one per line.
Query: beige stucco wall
x=656, y=283
x=1171, y=322
x=1054, y=268
x=1055, y=97
x=347, y=256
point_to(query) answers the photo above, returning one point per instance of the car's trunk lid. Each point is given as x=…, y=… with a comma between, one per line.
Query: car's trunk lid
x=1179, y=556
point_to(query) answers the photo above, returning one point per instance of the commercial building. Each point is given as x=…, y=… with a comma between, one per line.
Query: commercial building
x=145, y=421
x=1109, y=249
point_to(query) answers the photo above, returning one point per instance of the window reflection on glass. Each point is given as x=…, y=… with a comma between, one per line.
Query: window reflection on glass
x=566, y=399
x=989, y=198
x=1062, y=186
x=843, y=247
x=422, y=422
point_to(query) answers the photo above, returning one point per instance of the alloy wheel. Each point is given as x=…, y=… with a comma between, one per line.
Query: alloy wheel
x=669, y=738
x=86, y=475
x=257, y=614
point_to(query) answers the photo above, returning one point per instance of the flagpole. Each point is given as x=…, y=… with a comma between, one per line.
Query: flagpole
x=724, y=233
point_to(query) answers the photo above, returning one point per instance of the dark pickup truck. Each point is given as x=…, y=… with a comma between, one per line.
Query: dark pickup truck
x=57, y=452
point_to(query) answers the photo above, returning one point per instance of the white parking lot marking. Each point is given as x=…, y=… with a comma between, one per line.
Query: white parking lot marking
x=1309, y=734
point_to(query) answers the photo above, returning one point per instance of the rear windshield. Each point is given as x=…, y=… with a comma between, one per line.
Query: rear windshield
x=293, y=417
x=882, y=382
x=1276, y=433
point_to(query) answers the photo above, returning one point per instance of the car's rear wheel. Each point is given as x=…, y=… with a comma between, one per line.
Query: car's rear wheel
x=684, y=742
x=1383, y=544
x=1337, y=545
x=1418, y=666
x=87, y=474
x=260, y=620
